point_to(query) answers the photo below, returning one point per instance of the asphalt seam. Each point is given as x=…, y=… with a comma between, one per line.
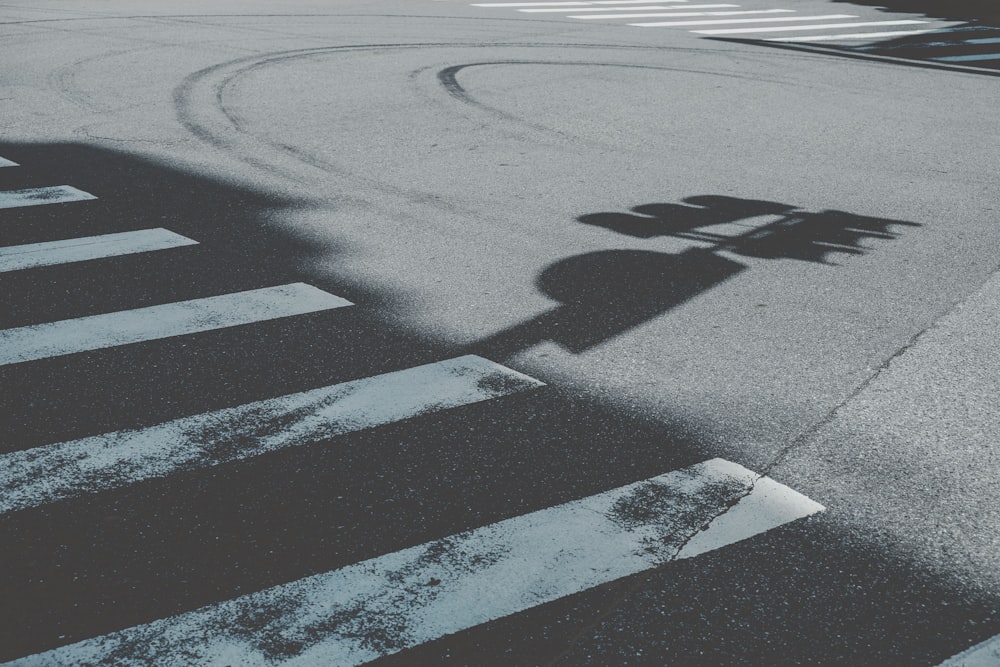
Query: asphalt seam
x=936, y=323
x=642, y=579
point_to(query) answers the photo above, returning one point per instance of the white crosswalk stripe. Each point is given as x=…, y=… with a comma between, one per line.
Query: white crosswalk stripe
x=974, y=57
x=848, y=36
x=422, y=593
x=568, y=10
x=968, y=47
x=818, y=26
x=569, y=4
x=58, y=194
x=687, y=14
x=985, y=654
x=664, y=24
x=95, y=332
x=4, y=162
x=16, y=258
x=68, y=469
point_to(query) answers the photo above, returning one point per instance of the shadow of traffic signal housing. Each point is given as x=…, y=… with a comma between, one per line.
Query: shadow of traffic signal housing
x=606, y=293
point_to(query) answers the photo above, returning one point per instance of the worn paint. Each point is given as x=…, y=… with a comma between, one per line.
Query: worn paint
x=818, y=26
x=850, y=36
x=682, y=14
x=57, y=194
x=397, y=601
x=65, y=470
x=96, y=332
x=985, y=654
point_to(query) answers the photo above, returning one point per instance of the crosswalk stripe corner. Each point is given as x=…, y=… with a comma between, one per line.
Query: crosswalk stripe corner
x=57, y=194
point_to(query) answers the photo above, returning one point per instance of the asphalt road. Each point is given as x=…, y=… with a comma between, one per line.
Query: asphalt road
x=704, y=247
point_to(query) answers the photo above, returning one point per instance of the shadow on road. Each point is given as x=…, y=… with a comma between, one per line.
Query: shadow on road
x=604, y=294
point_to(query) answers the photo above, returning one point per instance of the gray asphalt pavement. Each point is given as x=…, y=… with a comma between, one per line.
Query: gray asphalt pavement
x=706, y=246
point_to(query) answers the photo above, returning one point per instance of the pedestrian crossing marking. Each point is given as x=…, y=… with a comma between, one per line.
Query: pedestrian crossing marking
x=390, y=603
x=571, y=4
x=65, y=470
x=968, y=58
x=551, y=10
x=687, y=14
x=4, y=162
x=735, y=31
x=32, y=255
x=57, y=194
x=737, y=21
x=96, y=332
x=985, y=654
x=851, y=36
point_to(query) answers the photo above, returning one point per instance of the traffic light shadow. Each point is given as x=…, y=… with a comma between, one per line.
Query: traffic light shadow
x=603, y=294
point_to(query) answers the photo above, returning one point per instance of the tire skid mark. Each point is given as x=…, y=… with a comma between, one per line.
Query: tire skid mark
x=200, y=104
x=62, y=80
x=448, y=79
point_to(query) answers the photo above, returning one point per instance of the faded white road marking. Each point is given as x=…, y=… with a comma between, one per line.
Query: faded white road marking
x=829, y=26
x=95, y=332
x=986, y=654
x=556, y=10
x=569, y=4
x=64, y=470
x=390, y=603
x=856, y=35
x=57, y=194
x=674, y=9
x=4, y=162
x=14, y=258
x=824, y=17
x=683, y=14
x=969, y=58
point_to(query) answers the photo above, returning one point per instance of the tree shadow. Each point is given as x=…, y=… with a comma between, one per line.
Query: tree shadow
x=606, y=293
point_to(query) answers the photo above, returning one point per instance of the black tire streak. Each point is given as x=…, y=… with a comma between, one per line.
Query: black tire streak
x=252, y=63
x=62, y=81
x=218, y=78
x=448, y=78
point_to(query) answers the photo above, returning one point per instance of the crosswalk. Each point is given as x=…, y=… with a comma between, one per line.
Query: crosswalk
x=422, y=593
x=377, y=607
x=947, y=43
x=51, y=253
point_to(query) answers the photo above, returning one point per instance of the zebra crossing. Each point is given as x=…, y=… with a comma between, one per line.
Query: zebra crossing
x=425, y=592
x=380, y=606
x=51, y=253
x=947, y=43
